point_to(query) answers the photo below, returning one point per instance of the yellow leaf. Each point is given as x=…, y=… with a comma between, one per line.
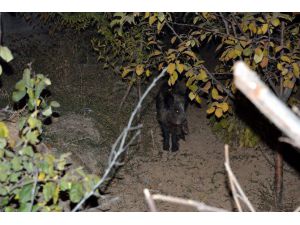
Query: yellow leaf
x=190, y=53
x=174, y=77
x=125, y=72
x=179, y=67
x=215, y=94
x=296, y=70
x=252, y=27
x=210, y=110
x=173, y=39
x=224, y=106
x=192, y=96
x=155, y=53
x=258, y=55
x=198, y=99
x=278, y=48
x=219, y=112
x=171, y=68
x=152, y=19
x=41, y=176
x=3, y=130
x=279, y=66
x=275, y=22
x=231, y=54
x=147, y=14
x=38, y=102
x=139, y=70
x=264, y=28
x=284, y=71
x=160, y=26
x=148, y=73
x=285, y=58
x=202, y=75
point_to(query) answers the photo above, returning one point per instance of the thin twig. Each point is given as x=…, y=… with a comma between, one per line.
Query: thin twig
x=120, y=142
x=225, y=23
x=236, y=189
x=33, y=189
x=126, y=94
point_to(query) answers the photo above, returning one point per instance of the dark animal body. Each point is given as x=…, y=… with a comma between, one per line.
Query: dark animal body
x=171, y=104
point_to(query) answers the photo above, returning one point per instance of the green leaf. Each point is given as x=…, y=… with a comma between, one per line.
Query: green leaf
x=76, y=193
x=28, y=166
x=26, y=78
x=32, y=137
x=5, y=54
x=47, y=112
x=14, y=177
x=25, y=207
x=48, y=191
x=25, y=193
x=20, y=85
x=27, y=151
x=0, y=70
x=34, y=123
x=247, y=51
x=3, y=142
x=18, y=95
x=54, y=104
x=16, y=163
x=65, y=185
x=39, y=88
x=161, y=17
x=47, y=81
x=21, y=122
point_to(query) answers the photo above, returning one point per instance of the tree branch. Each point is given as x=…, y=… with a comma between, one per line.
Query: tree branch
x=120, y=142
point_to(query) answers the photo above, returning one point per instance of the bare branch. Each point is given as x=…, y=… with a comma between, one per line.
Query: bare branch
x=237, y=191
x=118, y=147
x=298, y=209
x=150, y=200
x=249, y=83
x=33, y=189
x=200, y=206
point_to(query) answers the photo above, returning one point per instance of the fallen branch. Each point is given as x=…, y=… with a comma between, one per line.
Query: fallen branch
x=200, y=206
x=118, y=147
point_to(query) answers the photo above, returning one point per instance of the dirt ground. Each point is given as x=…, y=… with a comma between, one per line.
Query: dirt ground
x=90, y=121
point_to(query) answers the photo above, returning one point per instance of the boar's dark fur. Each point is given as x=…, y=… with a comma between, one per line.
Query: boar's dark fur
x=171, y=104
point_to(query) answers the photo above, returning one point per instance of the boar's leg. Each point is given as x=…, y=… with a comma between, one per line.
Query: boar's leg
x=175, y=146
x=166, y=137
